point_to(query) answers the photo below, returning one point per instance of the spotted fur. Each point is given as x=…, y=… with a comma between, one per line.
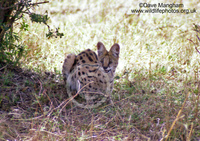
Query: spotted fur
x=91, y=75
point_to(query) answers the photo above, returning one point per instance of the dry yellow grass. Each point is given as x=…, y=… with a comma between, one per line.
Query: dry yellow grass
x=159, y=38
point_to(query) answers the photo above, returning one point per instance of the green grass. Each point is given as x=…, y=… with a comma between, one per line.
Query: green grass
x=157, y=77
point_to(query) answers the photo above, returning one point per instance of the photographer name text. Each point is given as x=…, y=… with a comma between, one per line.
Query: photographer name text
x=161, y=5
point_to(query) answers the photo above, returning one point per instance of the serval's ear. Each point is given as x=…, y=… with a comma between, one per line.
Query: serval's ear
x=101, y=49
x=115, y=50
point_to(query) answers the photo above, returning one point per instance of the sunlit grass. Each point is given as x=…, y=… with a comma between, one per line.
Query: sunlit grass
x=157, y=38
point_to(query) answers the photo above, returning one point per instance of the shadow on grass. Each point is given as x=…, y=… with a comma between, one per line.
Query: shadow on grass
x=36, y=107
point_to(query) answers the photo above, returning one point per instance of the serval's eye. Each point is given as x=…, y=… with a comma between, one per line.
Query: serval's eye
x=102, y=61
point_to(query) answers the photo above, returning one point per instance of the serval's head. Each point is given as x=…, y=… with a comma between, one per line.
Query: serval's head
x=108, y=59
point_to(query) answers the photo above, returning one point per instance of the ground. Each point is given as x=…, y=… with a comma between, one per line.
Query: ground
x=36, y=107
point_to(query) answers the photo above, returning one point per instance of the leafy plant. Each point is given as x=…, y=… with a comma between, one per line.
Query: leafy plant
x=10, y=49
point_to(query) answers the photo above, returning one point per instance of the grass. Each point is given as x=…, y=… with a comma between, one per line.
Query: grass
x=156, y=93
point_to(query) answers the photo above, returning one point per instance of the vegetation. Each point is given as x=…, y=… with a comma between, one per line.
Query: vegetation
x=156, y=93
x=11, y=11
